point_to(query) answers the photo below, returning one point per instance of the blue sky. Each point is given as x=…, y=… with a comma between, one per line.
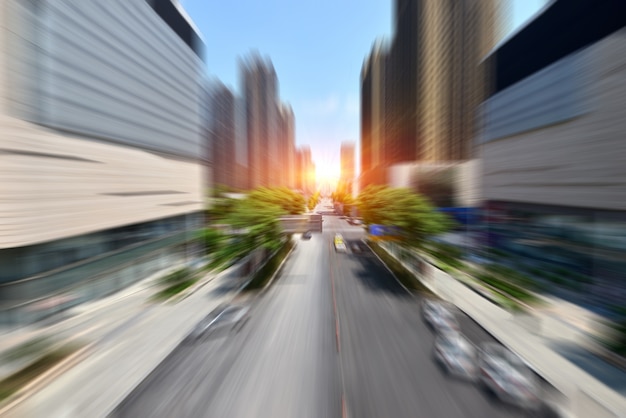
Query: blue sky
x=317, y=47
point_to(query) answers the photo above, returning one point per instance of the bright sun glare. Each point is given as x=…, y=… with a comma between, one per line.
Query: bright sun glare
x=326, y=173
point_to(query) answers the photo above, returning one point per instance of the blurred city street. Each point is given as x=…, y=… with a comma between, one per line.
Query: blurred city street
x=287, y=362
x=399, y=208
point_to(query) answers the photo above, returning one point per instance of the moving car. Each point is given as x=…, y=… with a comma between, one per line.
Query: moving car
x=506, y=376
x=456, y=355
x=439, y=315
x=307, y=235
x=226, y=316
x=340, y=245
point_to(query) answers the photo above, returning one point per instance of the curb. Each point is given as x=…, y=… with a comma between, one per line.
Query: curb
x=208, y=278
x=387, y=267
x=49, y=375
x=278, y=269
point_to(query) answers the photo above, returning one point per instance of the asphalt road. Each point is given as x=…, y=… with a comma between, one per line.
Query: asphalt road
x=334, y=336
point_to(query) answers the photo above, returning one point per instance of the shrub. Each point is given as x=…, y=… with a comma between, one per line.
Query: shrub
x=499, y=253
x=176, y=276
x=506, y=287
x=262, y=276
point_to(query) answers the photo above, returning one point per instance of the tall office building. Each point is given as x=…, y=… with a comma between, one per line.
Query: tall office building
x=241, y=145
x=348, y=166
x=305, y=171
x=222, y=134
x=287, y=146
x=455, y=37
x=269, y=126
x=260, y=91
x=374, y=103
x=102, y=163
x=420, y=94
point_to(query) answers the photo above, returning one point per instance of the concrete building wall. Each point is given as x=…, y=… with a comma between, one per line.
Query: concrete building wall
x=56, y=186
x=560, y=140
x=460, y=180
x=88, y=142
x=103, y=153
x=92, y=71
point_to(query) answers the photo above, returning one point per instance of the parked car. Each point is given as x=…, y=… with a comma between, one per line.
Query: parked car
x=456, y=355
x=506, y=376
x=439, y=315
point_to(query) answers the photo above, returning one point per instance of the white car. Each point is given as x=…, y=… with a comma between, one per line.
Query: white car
x=439, y=316
x=506, y=376
x=226, y=316
x=456, y=355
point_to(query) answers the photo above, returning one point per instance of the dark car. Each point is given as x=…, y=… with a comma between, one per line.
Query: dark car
x=307, y=235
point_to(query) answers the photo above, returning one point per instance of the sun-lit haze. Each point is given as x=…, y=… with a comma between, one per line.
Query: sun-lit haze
x=327, y=173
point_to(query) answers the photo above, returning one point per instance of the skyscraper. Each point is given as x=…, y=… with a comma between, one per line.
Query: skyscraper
x=374, y=108
x=348, y=165
x=260, y=92
x=305, y=170
x=222, y=134
x=287, y=146
x=420, y=94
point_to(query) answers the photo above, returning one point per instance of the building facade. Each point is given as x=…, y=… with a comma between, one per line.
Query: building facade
x=102, y=154
x=287, y=147
x=420, y=94
x=348, y=166
x=260, y=92
x=553, y=147
x=305, y=171
x=222, y=134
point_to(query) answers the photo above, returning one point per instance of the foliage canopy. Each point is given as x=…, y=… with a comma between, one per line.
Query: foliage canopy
x=254, y=223
x=290, y=202
x=413, y=215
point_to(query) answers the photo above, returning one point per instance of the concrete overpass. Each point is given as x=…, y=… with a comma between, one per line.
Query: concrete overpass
x=301, y=223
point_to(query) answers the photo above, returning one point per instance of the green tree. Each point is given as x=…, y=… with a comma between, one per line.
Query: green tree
x=291, y=202
x=313, y=200
x=211, y=239
x=220, y=207
x=343, y=196
x=413, y=215
x=255, y=224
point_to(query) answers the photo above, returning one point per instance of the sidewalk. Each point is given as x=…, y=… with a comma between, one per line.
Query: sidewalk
x=552, y=347
x=126, y=339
